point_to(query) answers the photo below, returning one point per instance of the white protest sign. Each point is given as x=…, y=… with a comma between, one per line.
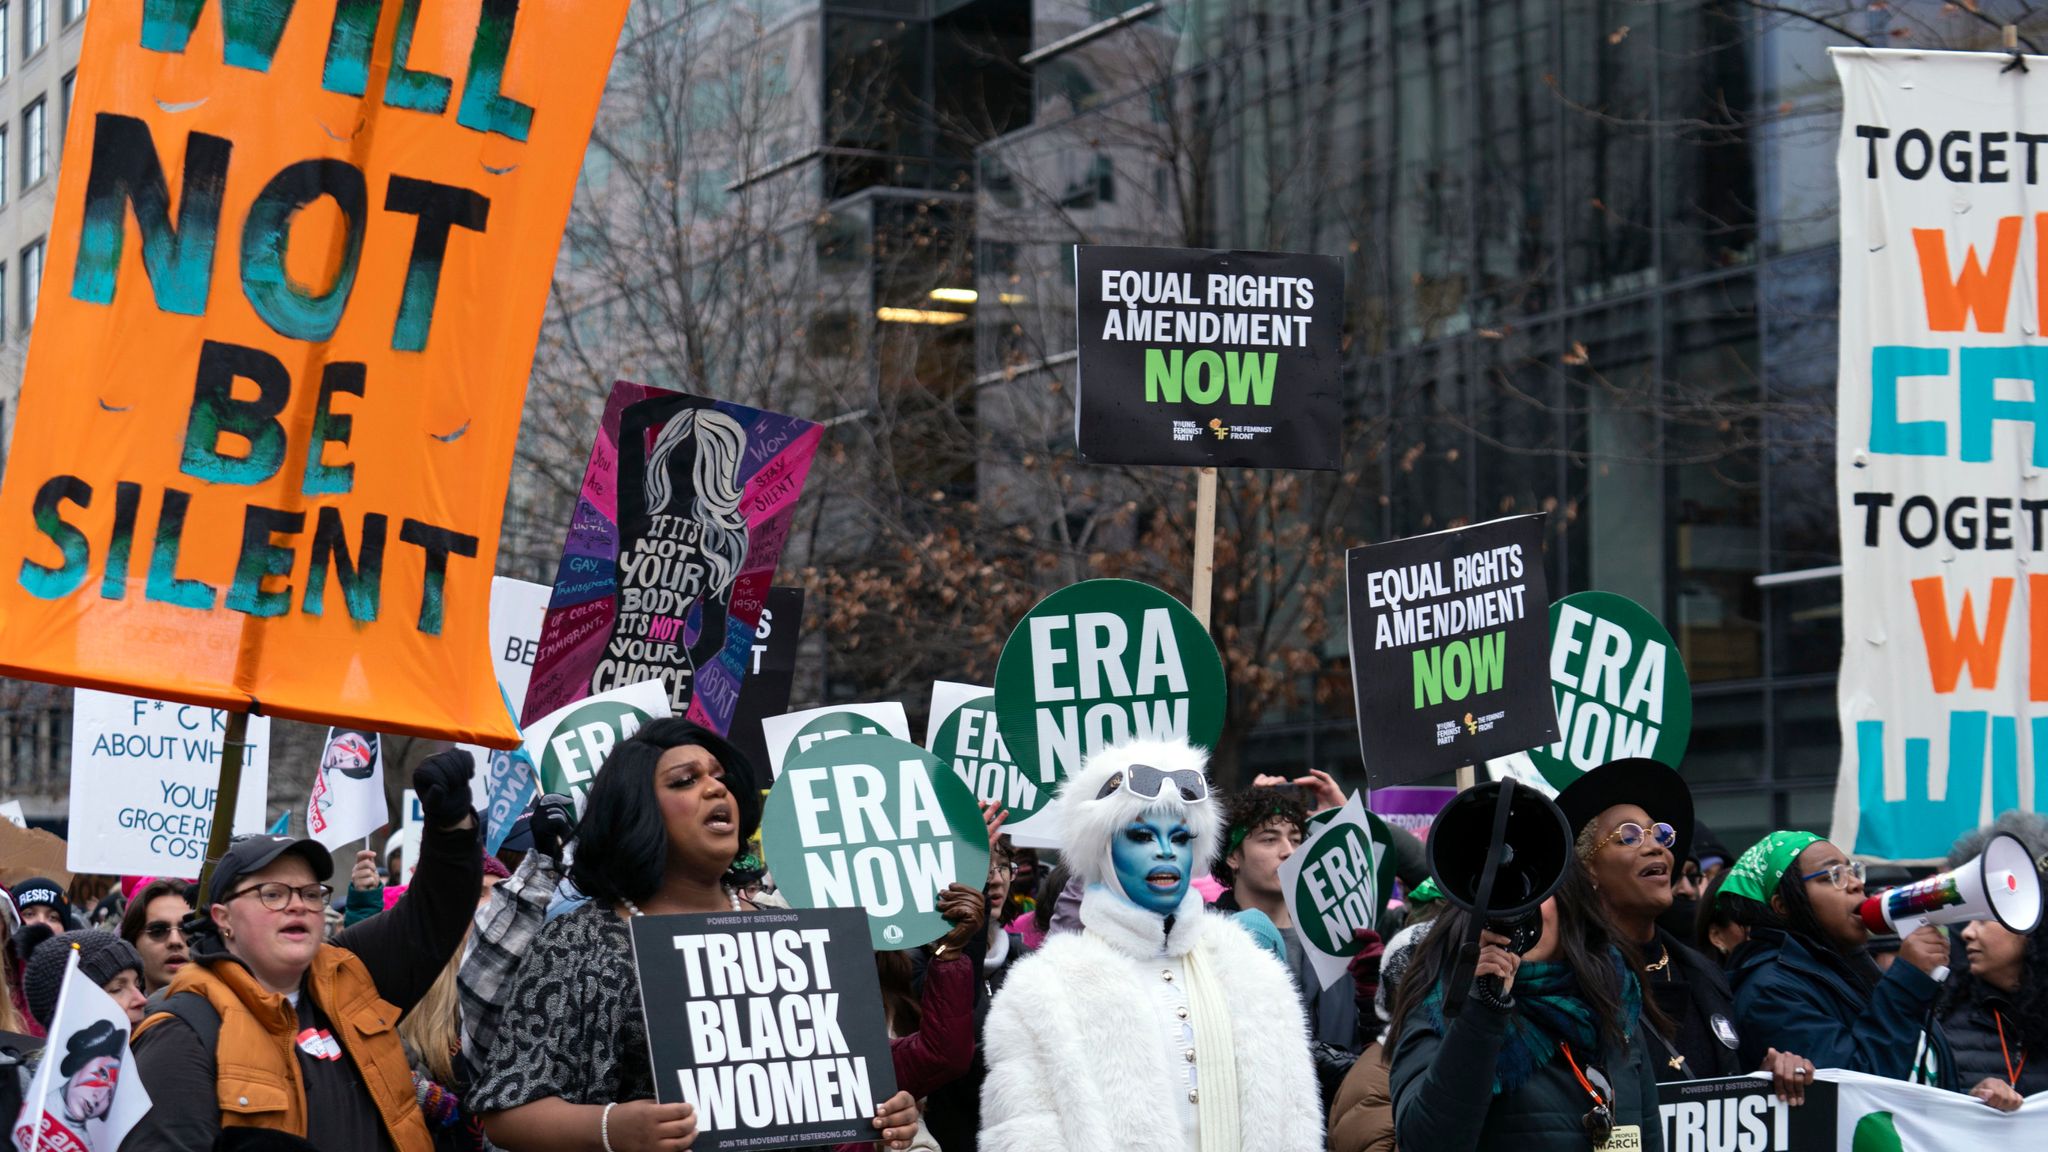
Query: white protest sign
x=347, y=802
x=1336, y=883
x=571, y=743
x=504, y=782
x=412, y=818
x=15, y=816
x=962, y=731
x=794, y=732
x=517, y=609
x=143, y=775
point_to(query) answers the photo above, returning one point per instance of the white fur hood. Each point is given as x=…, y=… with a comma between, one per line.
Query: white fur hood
x=1075, y=1060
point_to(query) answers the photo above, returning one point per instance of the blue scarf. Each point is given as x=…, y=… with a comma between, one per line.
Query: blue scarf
x=1548, y=1009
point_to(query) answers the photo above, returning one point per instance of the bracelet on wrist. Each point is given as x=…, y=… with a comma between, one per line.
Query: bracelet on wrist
x=604, y=1126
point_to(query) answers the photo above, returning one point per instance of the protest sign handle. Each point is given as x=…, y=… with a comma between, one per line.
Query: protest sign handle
x=1205, y=541
x=232, y=751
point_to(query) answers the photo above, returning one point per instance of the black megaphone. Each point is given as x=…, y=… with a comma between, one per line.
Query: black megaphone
x=1497, y=851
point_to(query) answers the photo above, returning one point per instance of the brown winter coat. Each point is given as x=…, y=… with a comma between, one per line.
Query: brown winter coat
x=256, y=1061
x=1362, y=1116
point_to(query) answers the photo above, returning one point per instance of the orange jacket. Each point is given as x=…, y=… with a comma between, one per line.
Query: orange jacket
x=256, y=1061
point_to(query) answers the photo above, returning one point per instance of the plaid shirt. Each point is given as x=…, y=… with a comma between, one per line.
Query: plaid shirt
x=503, y=929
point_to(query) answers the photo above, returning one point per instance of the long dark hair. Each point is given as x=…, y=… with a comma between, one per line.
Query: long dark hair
x=622, y=842
x=1585, y=945
x=2025, y=1007
x=1798, y=921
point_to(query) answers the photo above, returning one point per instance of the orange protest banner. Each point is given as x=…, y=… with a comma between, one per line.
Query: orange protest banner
x=297, y=271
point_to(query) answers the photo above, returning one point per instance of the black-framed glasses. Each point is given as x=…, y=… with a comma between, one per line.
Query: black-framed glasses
x=277, y=895
x=160, y=930
x=1838, y=874
x=1006, y=871
x=1145, y=781
x=1630, y=834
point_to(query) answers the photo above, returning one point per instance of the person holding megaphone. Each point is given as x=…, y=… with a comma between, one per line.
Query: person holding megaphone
x=1803, y=982
x=1548, y=1051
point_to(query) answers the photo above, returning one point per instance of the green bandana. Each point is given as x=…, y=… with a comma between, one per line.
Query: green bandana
x=1424, y=893
x=1757, y=872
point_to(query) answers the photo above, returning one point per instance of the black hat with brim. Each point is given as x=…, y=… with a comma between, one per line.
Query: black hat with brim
x=1651, y=785
x=97, y=1039
x=254, y=853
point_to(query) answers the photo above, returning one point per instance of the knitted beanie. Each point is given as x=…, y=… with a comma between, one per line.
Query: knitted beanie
x=101, y=956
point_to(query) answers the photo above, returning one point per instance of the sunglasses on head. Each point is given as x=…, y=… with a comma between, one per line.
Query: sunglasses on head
x=1147, y=782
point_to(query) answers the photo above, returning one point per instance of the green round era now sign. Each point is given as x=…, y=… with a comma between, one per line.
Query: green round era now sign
x=1620, y=687
x=1099, y=663
x=972, y=741
x=581, y=743
x=1344, y=884
x=876, y=823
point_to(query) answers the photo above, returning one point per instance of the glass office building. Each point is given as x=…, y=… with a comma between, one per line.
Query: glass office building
x=1590, y=259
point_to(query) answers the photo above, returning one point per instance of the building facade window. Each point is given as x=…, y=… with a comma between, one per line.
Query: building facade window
x=6, y=31
x=31, y=282
x=3, y=165
x=34, y=161
x=35, y=27
x=74, y=11
x=65, y=91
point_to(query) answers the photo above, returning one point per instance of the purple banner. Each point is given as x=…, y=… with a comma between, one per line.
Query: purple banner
x=1409, y=806
x=686, y=504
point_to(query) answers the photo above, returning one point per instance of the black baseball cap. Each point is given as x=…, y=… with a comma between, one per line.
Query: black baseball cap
x=248, y=854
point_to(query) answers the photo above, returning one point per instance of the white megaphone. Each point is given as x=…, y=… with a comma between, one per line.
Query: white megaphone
x=2000, y=884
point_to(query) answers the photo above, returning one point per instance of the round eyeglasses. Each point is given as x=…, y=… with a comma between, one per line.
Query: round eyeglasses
x=1630, y=834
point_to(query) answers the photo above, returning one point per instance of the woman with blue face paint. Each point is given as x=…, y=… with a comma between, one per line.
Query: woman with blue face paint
x=1161, y=1026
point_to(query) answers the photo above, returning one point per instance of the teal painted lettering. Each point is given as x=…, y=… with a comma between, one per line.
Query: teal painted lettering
x=331, y=427
x=291, y=309
x=347, y=70
x=1981, y=369
x=54, y=583
x=362, y=578
x=1888, y=436
x=250, y=28
x=127, y=172
x=261, y=558
x=165, y=586
x=406, y=88
x=485, y=107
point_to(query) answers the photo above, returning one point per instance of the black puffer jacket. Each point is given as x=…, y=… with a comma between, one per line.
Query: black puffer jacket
x=1967, y=1021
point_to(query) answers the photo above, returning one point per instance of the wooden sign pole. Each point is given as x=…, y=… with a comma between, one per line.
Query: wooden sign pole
x=1205, y=542
x=233, y=749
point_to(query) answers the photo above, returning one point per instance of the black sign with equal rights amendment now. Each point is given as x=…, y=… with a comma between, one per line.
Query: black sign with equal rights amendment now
x=771, y=671
x=1740, y=1113
x=1450, y=648
x=768, y=1023
x=1203, y=358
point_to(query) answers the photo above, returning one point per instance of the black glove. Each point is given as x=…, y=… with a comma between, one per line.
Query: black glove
x=442, y=784
x=554, y=822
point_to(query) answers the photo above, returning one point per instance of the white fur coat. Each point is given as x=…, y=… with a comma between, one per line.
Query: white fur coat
x=1076, y=1060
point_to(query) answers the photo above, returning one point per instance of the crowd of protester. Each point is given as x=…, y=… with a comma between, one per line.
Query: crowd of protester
x=492, y=1001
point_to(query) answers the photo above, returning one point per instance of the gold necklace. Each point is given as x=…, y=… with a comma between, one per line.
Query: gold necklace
x=1660, y=964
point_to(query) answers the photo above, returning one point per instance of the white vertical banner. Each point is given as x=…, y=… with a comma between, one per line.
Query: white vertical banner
x=143, y=777
x=347, y=802
x=1941, y=457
